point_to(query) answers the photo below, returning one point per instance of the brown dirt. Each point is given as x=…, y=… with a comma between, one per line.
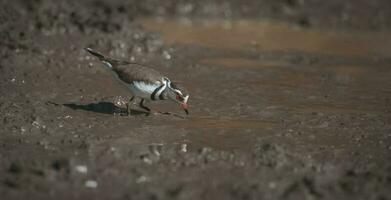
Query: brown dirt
x=290, y=99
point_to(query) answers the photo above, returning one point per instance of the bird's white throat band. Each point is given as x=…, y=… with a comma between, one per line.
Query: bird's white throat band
x=157, y=93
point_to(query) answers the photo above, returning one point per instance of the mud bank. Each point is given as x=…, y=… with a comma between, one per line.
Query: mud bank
x=286, y=102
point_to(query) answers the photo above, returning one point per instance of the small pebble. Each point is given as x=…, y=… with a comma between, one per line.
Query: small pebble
x=91, y=184
x=166, y=55
x=272, y=185
x=81, y=169
x=141, y=179
x=184, y=148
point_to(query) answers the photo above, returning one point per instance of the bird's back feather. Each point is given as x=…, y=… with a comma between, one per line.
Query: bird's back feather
x=132, y=72
x=129, y=72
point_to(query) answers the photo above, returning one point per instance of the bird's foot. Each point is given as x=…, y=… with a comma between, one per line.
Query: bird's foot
x=128, y=110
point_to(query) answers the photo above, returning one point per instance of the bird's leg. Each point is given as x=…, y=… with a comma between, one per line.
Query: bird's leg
x=128, y=105
x=143, y=106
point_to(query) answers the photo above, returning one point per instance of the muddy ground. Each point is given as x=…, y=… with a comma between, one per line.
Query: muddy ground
x=290, y=99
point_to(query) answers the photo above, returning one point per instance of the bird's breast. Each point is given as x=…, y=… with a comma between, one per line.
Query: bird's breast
x=143, y=89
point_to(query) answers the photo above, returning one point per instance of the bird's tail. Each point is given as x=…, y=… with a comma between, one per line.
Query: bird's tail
x=109, y=62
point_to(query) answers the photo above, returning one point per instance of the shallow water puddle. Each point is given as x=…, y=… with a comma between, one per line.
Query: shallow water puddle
x=268, y=36
x=242, y=63
x=210, y=123
x=226, y=134
x=288, y=80
x=315, y=78
x=298, y=71
x=333, y=108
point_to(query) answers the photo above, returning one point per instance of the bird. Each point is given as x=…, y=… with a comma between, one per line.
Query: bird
x=145, y=83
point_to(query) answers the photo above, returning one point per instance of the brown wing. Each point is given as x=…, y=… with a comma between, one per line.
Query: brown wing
x=133, y=72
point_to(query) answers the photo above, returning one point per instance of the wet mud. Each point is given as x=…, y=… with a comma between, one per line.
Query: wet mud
x=285, y=103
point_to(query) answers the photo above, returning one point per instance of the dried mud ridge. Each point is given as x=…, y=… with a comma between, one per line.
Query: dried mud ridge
x=269, y=171
x=299, y=123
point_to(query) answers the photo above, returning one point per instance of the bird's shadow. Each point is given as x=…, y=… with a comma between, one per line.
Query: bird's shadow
x=104, y=108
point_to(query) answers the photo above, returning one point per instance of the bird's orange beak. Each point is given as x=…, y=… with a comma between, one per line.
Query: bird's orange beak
x=185, y=107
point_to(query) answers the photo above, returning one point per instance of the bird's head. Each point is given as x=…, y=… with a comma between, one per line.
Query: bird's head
x=179, y=95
